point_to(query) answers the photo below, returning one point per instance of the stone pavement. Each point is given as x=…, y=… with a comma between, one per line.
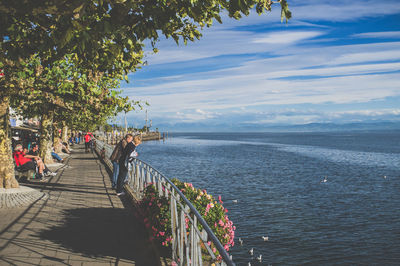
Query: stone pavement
x=80, y=221
x=19, y=197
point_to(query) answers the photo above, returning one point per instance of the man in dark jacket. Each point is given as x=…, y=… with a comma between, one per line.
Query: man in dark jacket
x=127, y=156
x=116, y=155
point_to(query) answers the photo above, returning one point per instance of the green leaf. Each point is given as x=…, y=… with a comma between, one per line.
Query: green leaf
x=67, y=37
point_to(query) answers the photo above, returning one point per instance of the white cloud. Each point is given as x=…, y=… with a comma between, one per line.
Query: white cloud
x=285, y=116
x=189, y=115
x=247, y=90
x=371, y=56
x=289, y=66
x=373, y=113
x=342, y=10
x=286, y=37
x=338, y=71
x=384, y=34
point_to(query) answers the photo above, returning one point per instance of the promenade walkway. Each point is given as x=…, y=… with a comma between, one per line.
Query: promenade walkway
x=79, y=221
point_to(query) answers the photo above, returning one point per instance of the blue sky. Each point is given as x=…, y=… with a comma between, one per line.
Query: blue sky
x=333, y=62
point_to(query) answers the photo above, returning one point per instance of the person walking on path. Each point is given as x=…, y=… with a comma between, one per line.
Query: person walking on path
x=125, y=162
x=116, y=155
x=88, y=139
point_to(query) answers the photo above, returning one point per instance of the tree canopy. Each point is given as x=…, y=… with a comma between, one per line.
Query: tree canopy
x=99, y=31
x=71, y=54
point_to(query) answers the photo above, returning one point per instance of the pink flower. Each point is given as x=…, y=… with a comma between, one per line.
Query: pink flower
x=221, y=223
x=162, y=233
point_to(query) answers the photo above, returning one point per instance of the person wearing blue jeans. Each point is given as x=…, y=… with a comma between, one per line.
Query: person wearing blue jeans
x=56, y=156
x=125, y=162
x=116, y=155
x=115, y=174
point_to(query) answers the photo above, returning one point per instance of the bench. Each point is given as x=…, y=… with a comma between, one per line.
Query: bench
x=22, y=175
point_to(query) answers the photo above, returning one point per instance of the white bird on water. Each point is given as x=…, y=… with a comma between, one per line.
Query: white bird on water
x=240, y=241
x=265, y=238
x=235, y=201
x=259, y=258
x=384, y=176
x=251, y=251
x=325, y=180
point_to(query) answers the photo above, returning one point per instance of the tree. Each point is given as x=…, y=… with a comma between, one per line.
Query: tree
x=106, y=35
x=69, y=95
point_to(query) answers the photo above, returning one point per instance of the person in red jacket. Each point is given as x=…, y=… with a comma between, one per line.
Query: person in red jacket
x=27, y=162
x=88, y=141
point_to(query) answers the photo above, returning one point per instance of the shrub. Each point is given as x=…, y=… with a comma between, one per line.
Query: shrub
x=157, y=215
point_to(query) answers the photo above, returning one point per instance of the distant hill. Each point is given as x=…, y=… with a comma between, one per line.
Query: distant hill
x=340, y=127
x=312, y=127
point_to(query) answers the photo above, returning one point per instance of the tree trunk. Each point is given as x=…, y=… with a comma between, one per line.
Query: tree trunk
x=7, y=177
x=64, y=132
x=55, y=133
x=56, y=139
x=46, y=143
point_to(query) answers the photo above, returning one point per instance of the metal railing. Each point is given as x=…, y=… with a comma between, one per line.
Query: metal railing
x=186, y=247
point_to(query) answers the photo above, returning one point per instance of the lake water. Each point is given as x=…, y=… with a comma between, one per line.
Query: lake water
x=353, y=218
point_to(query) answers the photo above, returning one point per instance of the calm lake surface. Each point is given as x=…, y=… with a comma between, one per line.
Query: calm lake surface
x=353, y=218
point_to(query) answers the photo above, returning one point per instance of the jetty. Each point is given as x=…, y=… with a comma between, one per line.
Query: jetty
x=79, y=220
x=113, y=138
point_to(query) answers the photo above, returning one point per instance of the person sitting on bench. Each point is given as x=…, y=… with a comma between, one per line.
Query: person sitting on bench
x=25, y=162
x=35, y=152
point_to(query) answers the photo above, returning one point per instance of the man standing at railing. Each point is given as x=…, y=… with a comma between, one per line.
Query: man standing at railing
x=125, y=162
x=116, y=155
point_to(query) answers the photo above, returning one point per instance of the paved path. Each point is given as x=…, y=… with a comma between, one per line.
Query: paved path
x=79, y=221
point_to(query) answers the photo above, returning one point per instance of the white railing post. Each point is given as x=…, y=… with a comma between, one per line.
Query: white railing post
x=174, y=227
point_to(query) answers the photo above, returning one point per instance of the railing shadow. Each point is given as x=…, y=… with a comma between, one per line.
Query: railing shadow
x=103, y=232
x=85, y=159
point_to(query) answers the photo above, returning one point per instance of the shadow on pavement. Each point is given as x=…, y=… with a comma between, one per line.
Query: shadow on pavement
x=86, y=158
x=101, y=232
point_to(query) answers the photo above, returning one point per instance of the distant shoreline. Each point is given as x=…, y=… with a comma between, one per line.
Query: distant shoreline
x=312, y=127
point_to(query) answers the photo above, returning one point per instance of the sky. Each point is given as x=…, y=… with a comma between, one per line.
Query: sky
x=333, y=62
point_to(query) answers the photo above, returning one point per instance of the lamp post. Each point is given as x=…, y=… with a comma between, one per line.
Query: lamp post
x=126, y=125
x=146, y=122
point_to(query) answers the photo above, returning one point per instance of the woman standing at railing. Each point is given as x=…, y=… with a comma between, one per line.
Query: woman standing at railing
x=124, y=162
x=116, y=156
